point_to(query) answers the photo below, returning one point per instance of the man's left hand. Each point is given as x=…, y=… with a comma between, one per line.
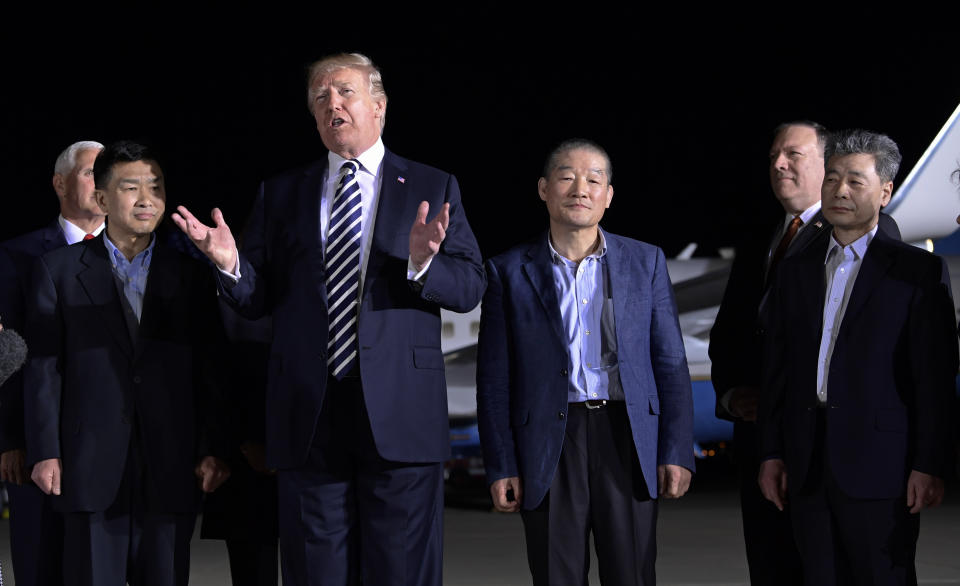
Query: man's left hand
x=923, y=490
x=211, y=473
x=425, y=238
x=673, y=480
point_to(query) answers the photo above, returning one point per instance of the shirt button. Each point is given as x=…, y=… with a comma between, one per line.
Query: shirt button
x=588, y=332
x=594, y=394
x=588, y=365
x=584, y=302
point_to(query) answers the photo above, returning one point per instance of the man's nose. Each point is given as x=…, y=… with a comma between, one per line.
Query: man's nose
x=780, y=162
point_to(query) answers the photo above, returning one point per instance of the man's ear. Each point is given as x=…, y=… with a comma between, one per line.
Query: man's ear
x=59, y=185
x=101, y=196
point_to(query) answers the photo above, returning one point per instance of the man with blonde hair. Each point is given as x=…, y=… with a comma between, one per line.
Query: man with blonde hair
x=342, y=254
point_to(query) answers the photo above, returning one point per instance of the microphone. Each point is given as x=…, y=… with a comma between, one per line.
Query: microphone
x=13, y=353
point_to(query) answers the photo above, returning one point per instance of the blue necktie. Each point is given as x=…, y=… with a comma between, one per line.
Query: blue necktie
x=343, y=271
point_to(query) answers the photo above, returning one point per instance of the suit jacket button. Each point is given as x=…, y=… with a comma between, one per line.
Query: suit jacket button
x=125, y=420
x=561, y=415
x=136, y=379
x=563, y=372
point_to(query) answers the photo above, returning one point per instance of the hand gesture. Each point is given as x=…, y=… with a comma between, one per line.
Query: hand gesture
x=673, y=480
x=500, y=491
x=211, y=473
x=773, y=482
x=46, y=475
x=425, y=238
x=216, y=242
x=12, y=466
x=923, y=490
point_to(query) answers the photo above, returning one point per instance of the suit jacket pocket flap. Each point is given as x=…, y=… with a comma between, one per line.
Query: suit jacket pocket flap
x=891, y=420
x=427, y=357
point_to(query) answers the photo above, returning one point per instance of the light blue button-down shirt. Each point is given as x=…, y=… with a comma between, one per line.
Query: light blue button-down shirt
x=841, y=266
x=131, y=274
x=588, y=323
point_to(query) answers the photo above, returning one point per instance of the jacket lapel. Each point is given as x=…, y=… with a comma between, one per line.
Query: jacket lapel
x=96, y=278
x=395, y=212
x=815, y=228
x=621, y=274
x=875, y=264
x=538, y=270
x=308, y=222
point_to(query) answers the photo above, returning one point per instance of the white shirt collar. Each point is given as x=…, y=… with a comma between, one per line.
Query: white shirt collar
x=858, y=246
x=370, y=160
x=72, y=234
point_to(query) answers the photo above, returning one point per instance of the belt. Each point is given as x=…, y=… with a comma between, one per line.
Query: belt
x=594, y=404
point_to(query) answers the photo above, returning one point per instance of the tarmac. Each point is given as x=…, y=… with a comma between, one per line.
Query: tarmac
x=699, y=542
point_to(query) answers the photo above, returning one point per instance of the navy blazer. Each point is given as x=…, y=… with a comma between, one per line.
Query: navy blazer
x=523, y=363
x=17, y=257
x=892, y=372
x=91, y=377
x=401, y=364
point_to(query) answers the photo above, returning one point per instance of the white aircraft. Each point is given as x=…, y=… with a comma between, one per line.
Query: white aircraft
x=925, y=207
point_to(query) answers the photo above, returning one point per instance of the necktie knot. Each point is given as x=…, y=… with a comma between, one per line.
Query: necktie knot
x=89, y=237
x=350, y=167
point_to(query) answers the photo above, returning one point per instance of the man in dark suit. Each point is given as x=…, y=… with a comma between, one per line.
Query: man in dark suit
x=357, y=424
x=119, y=414
x=36, y=530
x=583, y=391
x=859, y=381
x=796, y=174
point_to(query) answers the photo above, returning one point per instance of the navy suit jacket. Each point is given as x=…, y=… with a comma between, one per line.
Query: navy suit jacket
x=892, y=373
x=91, y=377
x=17, y=257
x=523, y=364
x=401, y=364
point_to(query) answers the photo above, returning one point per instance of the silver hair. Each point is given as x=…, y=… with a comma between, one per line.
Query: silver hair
x=886, y=154
x=68, y=158
x=356, y=61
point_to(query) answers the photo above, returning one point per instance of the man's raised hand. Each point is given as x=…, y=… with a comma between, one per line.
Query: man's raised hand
x=216, y=242
x=425, y=238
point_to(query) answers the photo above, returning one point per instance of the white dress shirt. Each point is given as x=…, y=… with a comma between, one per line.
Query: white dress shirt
x=841, y=266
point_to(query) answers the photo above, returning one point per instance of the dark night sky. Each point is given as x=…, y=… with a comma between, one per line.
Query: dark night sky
x=686, y=117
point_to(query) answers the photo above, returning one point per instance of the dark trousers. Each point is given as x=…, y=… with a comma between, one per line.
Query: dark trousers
x=129, y=542
x=36, y=536
x=598, y=487
x=348, y=516
x=848, y=541
x=772, y=555
x=252, y=563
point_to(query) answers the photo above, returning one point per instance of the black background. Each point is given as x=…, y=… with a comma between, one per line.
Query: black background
x=685, y=115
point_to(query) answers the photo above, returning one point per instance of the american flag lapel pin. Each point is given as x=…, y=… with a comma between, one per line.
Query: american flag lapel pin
x=819, y=224
x=401, y=180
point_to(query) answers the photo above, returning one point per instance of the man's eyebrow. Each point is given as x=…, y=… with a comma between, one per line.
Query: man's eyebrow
x=598, y=171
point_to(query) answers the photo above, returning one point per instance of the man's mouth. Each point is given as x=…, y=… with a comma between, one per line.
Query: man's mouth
x=337, y=122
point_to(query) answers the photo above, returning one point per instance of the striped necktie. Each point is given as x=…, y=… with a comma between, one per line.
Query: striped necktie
x=343, y=271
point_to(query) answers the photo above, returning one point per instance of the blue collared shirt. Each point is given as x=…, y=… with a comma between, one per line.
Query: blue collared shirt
x=131, y=274
x=586, y=309
x=841, y=266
